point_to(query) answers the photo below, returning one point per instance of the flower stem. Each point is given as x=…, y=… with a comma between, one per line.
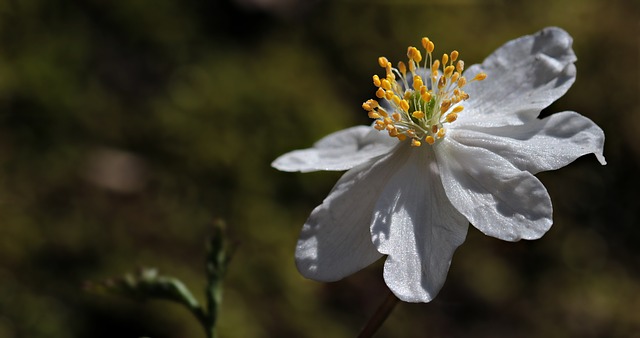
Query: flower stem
x=379, y=316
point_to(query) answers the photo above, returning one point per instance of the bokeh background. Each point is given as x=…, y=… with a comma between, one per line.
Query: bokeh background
x=128, y=127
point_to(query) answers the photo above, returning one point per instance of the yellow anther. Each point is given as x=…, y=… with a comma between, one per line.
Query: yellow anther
x=460, y=66
x=418, y=56
x=417, y=82
x=404, y=105
x=425, y=42
x=435, y=66
x=396, y=100
x=396, y=116
x=380, y=93
x=407, y=95
x=387, y=121
x=366, y=106
x=379, y=125
x=414, y=54
x=382, y=112
x=455, y=77
x=386, y=84
x=415, y=143
x=429, y=139
x=445, y=59
x=411, y=133
x=412, y=66
x=448, y=71
x=430, y=47
x=452, y=117
x=445, y=105
x=441, y=133
x=480, y=77
x=393, y=132
x=442, y=82
x=458, y=109
x=373, y=103
x=401, y=137
x=426, y=96
x=462, y=81
x=376, y=81
x=417, y=114
x=383, y=62
x=390, y=74
x=454, y=56
x=372, y=114
x=388, y=95
x=403, y=68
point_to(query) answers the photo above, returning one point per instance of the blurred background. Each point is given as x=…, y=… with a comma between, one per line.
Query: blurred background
x=127, y=128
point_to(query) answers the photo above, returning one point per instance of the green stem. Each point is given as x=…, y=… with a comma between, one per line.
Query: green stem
x=378, y=318
x=218, y=257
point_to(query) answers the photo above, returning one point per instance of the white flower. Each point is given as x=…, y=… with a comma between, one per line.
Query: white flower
x=413, y=201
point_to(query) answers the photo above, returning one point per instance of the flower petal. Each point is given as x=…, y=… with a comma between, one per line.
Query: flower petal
x=523, y=76
x=416, y=225
x=538, y=145
x=499, y=199
x=335, y=241
x=341, y=150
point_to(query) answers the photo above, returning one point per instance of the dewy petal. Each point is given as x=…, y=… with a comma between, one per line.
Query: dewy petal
x=538, y=145
x=499, y=199
x=523, y=76
x=416, y=225
x=335, y=241
x=341, y=150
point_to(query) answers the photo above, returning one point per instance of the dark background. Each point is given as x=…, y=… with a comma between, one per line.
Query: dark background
x=127, y=127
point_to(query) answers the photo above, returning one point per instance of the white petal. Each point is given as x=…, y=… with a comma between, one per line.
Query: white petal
x=335, y=241
x=538, y=145
x=341, y=150
x=499, y=199
x=416, y=225
x=523, y=76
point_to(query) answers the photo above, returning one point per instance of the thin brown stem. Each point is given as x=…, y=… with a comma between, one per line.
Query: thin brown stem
x=379, y=316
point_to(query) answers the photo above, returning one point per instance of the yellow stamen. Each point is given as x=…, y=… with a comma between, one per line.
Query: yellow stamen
x=430, y=47
x=417, y=82
x=448, y=71
x=402, y=68
x=386, y=84
x=429, y=139
x=420, y=109
x=454, y=56
x=388, y=95
x=376, y=81
x=480, y=77
x=425, y=42
x=457, y=109
x=404, y=105
x=383, y=62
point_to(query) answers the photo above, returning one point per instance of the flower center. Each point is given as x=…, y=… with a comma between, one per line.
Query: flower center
x=421, y=101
